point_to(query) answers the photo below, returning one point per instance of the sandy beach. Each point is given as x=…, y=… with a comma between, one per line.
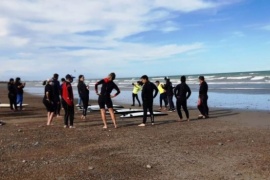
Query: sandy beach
x=231, y=144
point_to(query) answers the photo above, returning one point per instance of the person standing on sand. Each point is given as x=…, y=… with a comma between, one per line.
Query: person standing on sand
x=68, y=101
x=83, y=91
x=149, y=92
x=19, y=87
x=12, y=95
x=169, y=91
x=203, y=97
x=56, y=94
x=136, y=88
x=182, y=93
x=105, y=97
x=48, y=100
x=162, y=96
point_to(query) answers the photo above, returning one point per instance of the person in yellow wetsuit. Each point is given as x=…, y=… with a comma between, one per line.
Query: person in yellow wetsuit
x=136, y=88
x=162, y=96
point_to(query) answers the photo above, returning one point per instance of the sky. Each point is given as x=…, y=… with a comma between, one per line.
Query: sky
x=132, y=37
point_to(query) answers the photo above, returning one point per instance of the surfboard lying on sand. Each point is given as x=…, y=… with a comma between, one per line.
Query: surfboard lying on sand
x=96, y=107
x=126, y=111
x=140, y=114
x=5, y=105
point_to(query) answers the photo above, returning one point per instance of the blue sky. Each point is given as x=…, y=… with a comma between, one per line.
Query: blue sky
x=132, y=38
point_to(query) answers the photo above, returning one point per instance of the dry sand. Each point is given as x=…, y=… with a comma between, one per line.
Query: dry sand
x=231, y=144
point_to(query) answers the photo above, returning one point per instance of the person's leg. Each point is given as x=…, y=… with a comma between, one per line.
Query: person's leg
x=85, y=107
x=133, y=99
x=160, y=101
x=14, y=102
x=204, y=107
x=184, y=105
x=136, y=96
x=150, y=107
x=66, y=113
x=103, y=116
x=144, y=113
x=71, y=115
x=113, y=117
x=178, y=108
x=10, y=102
x=50, y=118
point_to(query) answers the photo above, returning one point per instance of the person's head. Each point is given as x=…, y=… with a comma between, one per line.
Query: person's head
x=69, y=78
x=201, y=79
x=157, y=83
x=144, y=79
x=63, y=80
x=111, y=76
x=11, y=80
x=18, y=79
x=139, y=82
x=183, y=79
x=81, y=77
x=55, y=76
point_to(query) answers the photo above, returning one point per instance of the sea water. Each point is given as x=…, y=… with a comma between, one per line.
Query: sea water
x=242, y=90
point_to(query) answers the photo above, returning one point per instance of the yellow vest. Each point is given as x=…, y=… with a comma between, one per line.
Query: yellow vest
x=160, y=88
x=136, y=88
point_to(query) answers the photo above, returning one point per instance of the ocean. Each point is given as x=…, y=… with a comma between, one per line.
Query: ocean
x=241, y=90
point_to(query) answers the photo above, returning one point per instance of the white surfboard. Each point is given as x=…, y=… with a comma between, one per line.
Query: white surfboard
x=140, y=114
x=126, y=111
x=5, y=105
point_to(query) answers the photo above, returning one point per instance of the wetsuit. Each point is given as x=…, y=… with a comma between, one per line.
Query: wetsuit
x=67, y=102
x=203, y=107
x=84, y=95
x=135, y=91
x=182, y=93
x=12, y=95
x=105, y=93
x=56, y=94
x=49, y=101
x=169, y=90
x=19, y=87
x=149, y=92
x=162, y=96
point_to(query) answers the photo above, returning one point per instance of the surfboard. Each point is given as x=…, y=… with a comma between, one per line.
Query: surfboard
x=140, y=114
x=96, y=107
x=126, y=111
x=5, y=105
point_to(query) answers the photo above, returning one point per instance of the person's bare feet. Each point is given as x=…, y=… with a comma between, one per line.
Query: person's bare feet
x=105, y=127
x=141, y=125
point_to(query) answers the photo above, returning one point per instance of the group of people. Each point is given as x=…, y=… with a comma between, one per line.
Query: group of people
x=58, y=95
x=15, y=93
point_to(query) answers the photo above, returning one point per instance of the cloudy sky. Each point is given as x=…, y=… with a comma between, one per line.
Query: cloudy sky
x=132, y=37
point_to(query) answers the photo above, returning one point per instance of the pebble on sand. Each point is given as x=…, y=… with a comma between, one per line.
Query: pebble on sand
x=148, y=166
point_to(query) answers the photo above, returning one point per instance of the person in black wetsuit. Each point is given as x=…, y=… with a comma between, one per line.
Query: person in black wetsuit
x=48, y=100
x=12, y=95
x=149, y=92
x=203, y=97
x=105, y=97
x=83, y=91
x=182, y=93
x=19, y=87
x=56, y=94
x=169, y=91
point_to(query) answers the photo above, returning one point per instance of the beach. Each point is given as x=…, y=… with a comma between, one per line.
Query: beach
x=231, y=144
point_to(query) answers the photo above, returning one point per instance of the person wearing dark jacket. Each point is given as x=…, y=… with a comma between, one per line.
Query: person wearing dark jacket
x=68, y=101
x=203, y=97
x=169, y=91
x=105, y=97
x=149, y=92
x=12, y=95
x=19, y=87
x=56, y=94
x=48, y=100
x=83, y=91
x=182, y=93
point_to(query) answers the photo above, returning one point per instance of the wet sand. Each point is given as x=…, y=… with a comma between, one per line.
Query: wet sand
x=231, y=144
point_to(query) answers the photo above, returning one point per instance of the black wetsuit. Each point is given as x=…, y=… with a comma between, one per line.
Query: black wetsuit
x=49, y=103
x=12, y=95
x=56, y=94
x=203, y=107
x=148, y=96
x=182, y=93
x=84, y=95
x=105, y=93
x=169, y=91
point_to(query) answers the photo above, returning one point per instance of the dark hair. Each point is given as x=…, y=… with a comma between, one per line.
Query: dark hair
x=11, y=79
x=80, y=76
x=55, y=76
x=140, y=83
x=112, y=75
x=18, y=79
x=144, y=77
x=183, y=78
x=157, y=81
x=201, y=78
x=44, y=82
x=63, y=80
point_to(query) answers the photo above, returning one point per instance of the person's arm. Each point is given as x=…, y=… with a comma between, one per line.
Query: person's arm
x=156, y=90
x=189, y=92
x=175, y=91
x=117, y=90
x=96, y=85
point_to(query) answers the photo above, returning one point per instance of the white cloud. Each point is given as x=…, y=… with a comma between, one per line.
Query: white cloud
x=3, y=27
